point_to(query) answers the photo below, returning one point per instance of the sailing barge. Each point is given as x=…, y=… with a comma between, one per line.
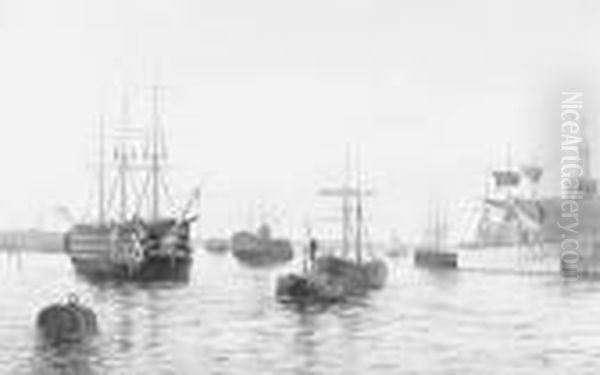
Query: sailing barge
x=436, y=254
x=335, y=278
x=155, y=247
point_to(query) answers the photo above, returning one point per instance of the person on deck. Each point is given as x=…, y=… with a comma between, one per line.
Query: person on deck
x=312, y=250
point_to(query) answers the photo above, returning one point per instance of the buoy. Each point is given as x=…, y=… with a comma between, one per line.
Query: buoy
x=69, y=322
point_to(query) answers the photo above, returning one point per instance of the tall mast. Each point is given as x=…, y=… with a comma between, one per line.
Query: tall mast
x=348, y=193
x=123, y=169
x=124, y=158
x=435, y=227
x=359, y=219
x=101, y=172
x=155, y=156
x=346, y=208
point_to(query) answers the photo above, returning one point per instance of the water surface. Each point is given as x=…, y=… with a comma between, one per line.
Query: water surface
x=226, y=321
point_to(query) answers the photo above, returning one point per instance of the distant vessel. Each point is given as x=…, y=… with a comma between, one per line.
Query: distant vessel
x=129, y=246
x=261, y=248
x=397, y=248
x=216, y=245
x=435, y=253
x=332, y=278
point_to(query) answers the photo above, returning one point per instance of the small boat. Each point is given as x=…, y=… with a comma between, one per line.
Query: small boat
x=434, y=258
x=261, y=249
x=436, y=255
x=216, y=245
x=335, y=278
x=397, y=248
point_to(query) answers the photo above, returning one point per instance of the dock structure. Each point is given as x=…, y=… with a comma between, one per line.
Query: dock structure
x=30, y=240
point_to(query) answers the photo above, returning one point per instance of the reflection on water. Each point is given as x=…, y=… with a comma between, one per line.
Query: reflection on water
x=226, y=321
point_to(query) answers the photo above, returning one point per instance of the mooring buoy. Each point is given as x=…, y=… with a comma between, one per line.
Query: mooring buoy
x=69, y=322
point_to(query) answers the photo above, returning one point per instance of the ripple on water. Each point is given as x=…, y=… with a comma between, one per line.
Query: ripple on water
x=226, y=320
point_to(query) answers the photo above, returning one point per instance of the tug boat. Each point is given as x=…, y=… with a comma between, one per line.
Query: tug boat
x=335, y=278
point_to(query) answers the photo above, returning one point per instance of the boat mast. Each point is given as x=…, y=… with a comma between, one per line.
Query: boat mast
x=359, y=219
x=437, y=226
x=101, y=172
x=124, y=159
x=154, y=153
x=346, y=208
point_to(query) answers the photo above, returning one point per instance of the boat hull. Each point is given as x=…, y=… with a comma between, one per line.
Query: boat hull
x=119, y=252
x=436, y=259
x=261, y=249
x=263, y=257
x=332, y=279
x=151, y=269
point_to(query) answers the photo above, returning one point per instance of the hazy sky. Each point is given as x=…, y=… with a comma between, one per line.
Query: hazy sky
x=264, y=96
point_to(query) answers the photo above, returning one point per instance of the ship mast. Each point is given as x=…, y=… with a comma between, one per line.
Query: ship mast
x=359, y=219
x=346, y=208
x=155, y=153
x=101, y=174
x=348, y=195
x=124, y=159
x=437, y=226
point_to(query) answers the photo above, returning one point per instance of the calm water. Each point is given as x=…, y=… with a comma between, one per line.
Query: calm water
x=226, y=321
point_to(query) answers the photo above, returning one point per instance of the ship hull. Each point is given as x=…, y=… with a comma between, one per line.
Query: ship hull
x=260, y=250
x=150, y=270
x=161, y=253
x=511, y=259
x=263, y=257
x=435, y=259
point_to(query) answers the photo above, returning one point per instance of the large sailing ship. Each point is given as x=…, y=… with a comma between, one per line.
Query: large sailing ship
x=516, y=227
x=140, y=242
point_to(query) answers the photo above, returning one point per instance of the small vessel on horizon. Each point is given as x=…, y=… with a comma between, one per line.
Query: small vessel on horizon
x=435, y=254
x=139, y=243
x=216, y=245
x=397, y=248
x=261, y=248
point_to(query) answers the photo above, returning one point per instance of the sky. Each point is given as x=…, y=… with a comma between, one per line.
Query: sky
x=264, y=97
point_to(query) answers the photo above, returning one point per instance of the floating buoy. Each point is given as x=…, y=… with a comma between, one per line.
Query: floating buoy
x=69, y=322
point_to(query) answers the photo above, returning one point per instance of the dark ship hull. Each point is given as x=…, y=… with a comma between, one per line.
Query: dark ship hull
x=260, y=249
x=435, y=259
x=136, y=251
x=263, y=256
x=151, y=269
x=332, y=279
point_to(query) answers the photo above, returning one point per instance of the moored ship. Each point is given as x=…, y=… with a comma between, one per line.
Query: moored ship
x=129, y=245
x=517, y=228
x=336, y=277
x=261, y=248
x=434, y=254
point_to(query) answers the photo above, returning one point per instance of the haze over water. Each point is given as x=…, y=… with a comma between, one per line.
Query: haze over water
x=226, y=321
x=264, y=97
